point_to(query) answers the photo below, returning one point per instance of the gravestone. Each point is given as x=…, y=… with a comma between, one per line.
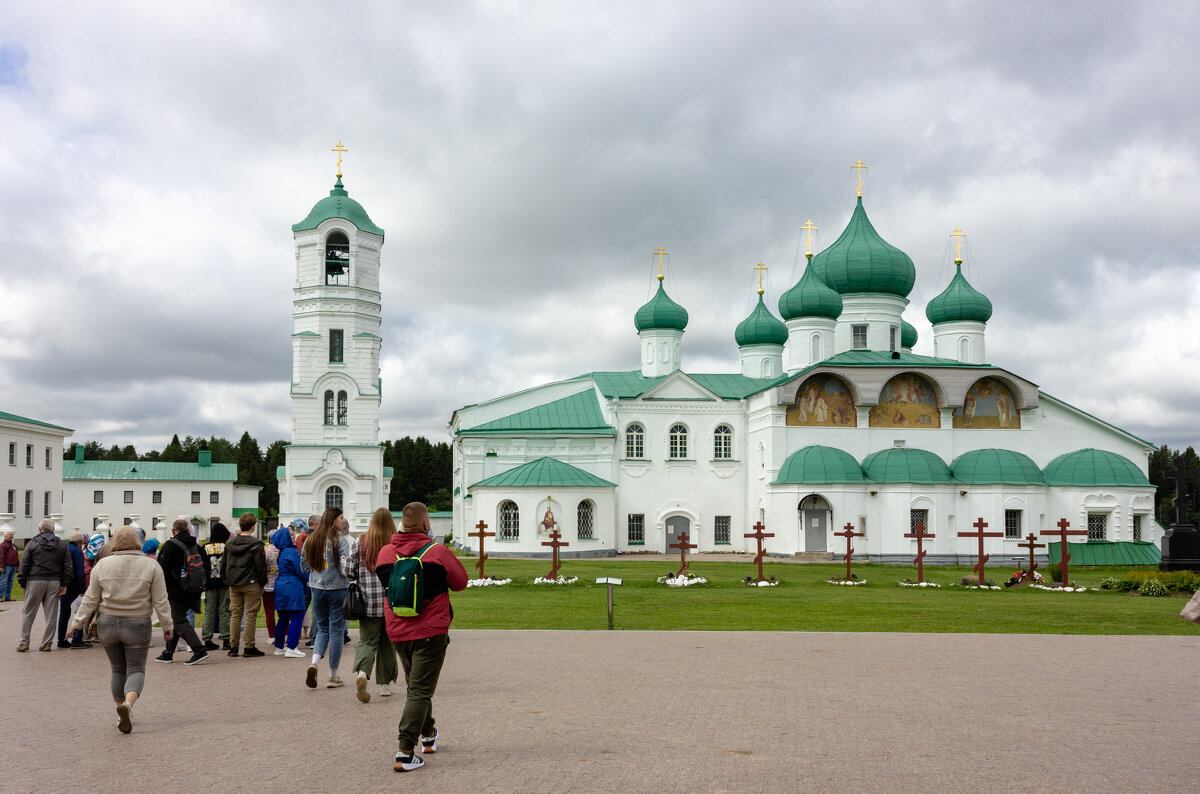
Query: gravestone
x=683, y=547
x=1062, y=533
x=554, y=543
x=481, y=534
x=848, y=533
x=758, y=536
x=1180, y=543
x=920, y=534
x=981, y=525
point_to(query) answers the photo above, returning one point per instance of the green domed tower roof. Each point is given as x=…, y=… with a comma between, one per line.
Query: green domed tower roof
x=1091, y=467
x=991, y=466
x=660, y=313
x=959, y=301
x=338, y=204
x=908, y=334
x=818, y=465
x=906, y=464
x=760, y=328
x=862, y=261
x=810, y=297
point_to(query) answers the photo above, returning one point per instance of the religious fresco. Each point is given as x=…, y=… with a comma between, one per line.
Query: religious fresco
x=907, y=400
x=822, y=401
x=989, y=405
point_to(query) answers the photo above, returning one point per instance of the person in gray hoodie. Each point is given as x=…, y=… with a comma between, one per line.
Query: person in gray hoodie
x=244, y=569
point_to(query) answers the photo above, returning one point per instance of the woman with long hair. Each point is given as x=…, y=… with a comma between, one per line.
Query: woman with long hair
x=322, y=559
x=125, y=587
x=374, y=648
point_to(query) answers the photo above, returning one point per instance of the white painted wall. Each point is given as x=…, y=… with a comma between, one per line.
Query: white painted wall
x=37, y=478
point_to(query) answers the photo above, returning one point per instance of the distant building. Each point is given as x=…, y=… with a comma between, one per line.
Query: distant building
x=30, y=479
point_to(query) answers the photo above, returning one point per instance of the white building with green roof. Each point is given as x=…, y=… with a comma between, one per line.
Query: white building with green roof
x=31, y=477
x=831, y=420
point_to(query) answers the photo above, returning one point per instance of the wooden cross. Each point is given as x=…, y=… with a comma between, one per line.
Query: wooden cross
x=809, y=227
x=1062, y=533
x=980, y=534
x=1029, y=544
x=761, y=269
x=861, y=166
x=849, y=533
x=920, y=534
x=339, y=149
x=758, y=536
x=554, y=543
x=481, y=534
x=683, y=546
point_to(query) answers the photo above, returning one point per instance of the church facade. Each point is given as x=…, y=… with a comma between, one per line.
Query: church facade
x=832, y=420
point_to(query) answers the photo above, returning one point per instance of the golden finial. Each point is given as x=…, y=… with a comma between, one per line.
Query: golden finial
x=760, y=268
x=809, y=227
x=662, y=255
x=339, y=149
x=958, y=234
x=861, y=166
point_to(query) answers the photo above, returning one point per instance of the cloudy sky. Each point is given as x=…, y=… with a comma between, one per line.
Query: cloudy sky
x=526, y=159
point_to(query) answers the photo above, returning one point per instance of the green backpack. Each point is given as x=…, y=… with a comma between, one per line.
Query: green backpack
x=406, y=585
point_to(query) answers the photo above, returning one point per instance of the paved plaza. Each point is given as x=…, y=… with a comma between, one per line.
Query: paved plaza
x=634, y=711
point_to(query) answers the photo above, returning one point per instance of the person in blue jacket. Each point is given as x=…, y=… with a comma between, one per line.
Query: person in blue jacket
x=289, y=594
x=75, y=589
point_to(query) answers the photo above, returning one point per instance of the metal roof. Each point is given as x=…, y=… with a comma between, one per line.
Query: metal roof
x=545, y=473
x=819, y=465
x=989, y=466
x=148, y=470
x=578, y=413
x=1090, y=467
x=906, y=464
x=15, y=418
x=1107, y=552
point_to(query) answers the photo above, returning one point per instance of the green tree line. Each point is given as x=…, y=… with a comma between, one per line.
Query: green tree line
x=1163, y=477
x=422, y=470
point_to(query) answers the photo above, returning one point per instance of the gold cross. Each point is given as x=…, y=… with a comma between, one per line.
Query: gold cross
x=809, y=227
x=861, y=166
x=661, y=254
x=339, y=149
x=958, y=234
x=760, y=268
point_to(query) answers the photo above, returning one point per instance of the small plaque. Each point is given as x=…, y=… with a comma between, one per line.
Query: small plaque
x=608, y=580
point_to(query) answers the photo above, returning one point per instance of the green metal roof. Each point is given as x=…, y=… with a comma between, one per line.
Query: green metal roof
x=817, y=465
x=959, y=301
x=760, y=328
x=15, y=418
x=237, y=511
x=862, y=261
x=906, y=464
x=908, y=334
x=578, y=413
x=810, y=297
x=660, y=312
x=148, y=470
x=1088, y=467
x=988, y=466
x=882, y=358
x=338, y=204
x=1107, y=552
x=726, y=385
x=545, y=473
x=388, y=472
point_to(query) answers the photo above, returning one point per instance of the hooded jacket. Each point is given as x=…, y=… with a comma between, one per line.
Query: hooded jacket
x=244, y=561
x=289, y=584
x=213, y=550
x=435, y=618
x=45, y=557
x=172, y=559
x=78, y=579
x=8, y=554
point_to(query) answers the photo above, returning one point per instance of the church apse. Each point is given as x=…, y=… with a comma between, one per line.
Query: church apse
x=989, y=405
x=822, y=401
x=906, y=400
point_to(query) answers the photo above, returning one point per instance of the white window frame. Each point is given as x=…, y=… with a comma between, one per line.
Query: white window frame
x=723, y=442
x=1103, y=521
x=677, y=442
x=857, y=331
x=635, y=441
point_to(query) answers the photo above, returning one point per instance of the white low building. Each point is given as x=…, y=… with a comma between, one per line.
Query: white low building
x=31, y=478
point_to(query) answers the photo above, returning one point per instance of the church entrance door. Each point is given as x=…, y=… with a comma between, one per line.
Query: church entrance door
x=676, y=526
x=814, y=517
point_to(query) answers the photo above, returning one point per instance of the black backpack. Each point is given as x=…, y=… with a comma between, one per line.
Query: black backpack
x=191, y=576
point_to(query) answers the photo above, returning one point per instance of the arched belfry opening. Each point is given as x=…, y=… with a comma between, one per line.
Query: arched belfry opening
x=337, y=260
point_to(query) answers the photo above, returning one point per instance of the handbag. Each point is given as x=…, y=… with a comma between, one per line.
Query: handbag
x=355, y=606
x=1191, y=610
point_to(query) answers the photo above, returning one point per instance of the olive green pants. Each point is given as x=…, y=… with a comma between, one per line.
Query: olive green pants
x=375, y=649
x=422, y=661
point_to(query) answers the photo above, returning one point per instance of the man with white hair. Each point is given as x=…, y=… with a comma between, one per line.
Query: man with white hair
x=9, y=560
x=46, y=570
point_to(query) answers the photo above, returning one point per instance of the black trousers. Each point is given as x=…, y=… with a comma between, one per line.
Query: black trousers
x=183, y=630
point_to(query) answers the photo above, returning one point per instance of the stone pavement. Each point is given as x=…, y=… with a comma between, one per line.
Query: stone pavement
x=634, y=711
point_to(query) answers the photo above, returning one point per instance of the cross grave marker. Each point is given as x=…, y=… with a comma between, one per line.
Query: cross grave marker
x=920, y=534
x=758, y=536
x=980, y=525
x=683, y=545
x=481, y=533
x=1062, y=533
x=849, y=533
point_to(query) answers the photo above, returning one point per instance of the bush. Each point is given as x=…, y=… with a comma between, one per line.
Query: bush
x=1109, y=583
x=1152, y=588
x=1171, y=581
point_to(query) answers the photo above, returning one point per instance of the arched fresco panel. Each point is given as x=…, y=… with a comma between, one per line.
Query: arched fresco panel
x=822, y=401
x=989, y=405
x=907, y=400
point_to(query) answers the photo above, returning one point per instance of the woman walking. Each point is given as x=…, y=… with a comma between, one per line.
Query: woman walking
x=322, y=561
x=289, y=594
x=125, y=587
x=374, y=647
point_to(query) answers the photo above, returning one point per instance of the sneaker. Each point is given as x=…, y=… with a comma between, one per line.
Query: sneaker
x=279, y=652
x=81, y=644
x=385, y=691
x=233, y=652
x=124, y=718
x=360, y=687
x=22, y=647
x=252, y=652
x=429, y=743
x=310, y=677
x=295, y=653
x=64, y=644
x=45, y=646
x=407, y=762
x=164, y=657
x=209, y=645
x=334, y=682
x=225, y=646
x=197, y=657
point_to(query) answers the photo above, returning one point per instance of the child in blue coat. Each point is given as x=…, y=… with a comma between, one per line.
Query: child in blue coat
x=289, y=594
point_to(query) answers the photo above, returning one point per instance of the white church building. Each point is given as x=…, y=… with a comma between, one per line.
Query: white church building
x=830, y=420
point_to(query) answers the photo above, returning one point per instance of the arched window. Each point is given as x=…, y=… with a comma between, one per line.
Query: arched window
x=510, y=521
x=635, y=437
x=342, y=408
x=767, y=368
x=723, y=443
x=333, y=497
x=337, y=259
x=678, y=442
x=816, y=348
x=586, y=515
x=329, y=411
x=964, y=350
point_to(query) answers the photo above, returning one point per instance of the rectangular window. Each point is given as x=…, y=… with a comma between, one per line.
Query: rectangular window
x=129, y=497
x=1097, y=526
x=335, y=345
x=859, y=341
x=918, y=521
x=12, y=455
x=892, y=339
x=1012, y=524
x=637, y=529
x=721, y=526
x=214, y=497
x=46, y=504
x=156, y=497
x=98, y=497
x=29, y=455
x=195, y=497
x=29, y=504
x=1137, y=528
x=12, y=501
x=47, y=457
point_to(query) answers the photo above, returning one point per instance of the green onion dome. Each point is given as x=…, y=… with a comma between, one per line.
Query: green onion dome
x=817, y=465
x=992, y=466
x=908, y=334
x=338, y=204
x=906, y=464
x=1091, y=467
x=760, y=328
x=959, y=301
x=810, y=298
x=862, y=261
x=660, y=313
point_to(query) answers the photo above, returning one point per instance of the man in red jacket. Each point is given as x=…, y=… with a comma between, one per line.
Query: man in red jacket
x=420, y=641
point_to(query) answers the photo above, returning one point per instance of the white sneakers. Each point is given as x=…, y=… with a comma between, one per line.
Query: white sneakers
x=385, y=691
x=295, y=653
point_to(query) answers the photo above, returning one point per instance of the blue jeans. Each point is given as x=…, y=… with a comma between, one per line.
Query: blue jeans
x=6, y=581
x=331, y=625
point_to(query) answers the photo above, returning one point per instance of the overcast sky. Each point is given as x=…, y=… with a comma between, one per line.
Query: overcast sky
x=525, y=160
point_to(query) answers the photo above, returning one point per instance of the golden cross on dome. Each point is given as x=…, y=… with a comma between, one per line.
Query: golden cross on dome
x=958, y=235
x=760, y=268
x=861, y=166
x=809, y=227
x=662, y=254
x=339, y=149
